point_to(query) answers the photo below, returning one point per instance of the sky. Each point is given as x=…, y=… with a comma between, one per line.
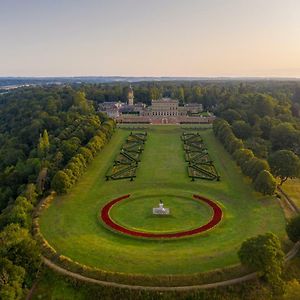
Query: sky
x=195, y=38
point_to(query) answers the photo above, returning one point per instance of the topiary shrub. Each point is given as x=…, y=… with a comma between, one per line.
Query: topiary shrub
x=265, y=183
x=242, y=156
x=61, y=182
x=254, y=166
x=264, y=254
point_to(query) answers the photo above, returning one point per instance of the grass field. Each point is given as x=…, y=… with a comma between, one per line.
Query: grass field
x=71, y=224
x=292, y=188
x=54, y=288
x=186, y=214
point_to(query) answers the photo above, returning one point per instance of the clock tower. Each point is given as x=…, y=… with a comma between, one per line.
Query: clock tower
x=130, y=96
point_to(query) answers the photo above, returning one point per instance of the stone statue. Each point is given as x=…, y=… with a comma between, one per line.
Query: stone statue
x=161, y=210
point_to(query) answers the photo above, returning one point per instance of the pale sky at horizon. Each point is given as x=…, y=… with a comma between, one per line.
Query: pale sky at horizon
x=150, y=38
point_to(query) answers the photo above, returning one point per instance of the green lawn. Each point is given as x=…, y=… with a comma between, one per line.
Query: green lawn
x=53, y=287
x=185, y=214
x=71, y=224
x=292, y=188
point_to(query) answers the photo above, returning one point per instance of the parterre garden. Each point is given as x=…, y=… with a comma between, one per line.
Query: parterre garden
x=127, y=161
x=196, y=154
x=78, y=232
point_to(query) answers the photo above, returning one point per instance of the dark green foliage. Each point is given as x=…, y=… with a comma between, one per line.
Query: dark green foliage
x=285, y=136
x=266, y=124
x=257, y=169
x=64, y=179
x=81, y=104
x=293, y=229
x=224, y=132
x=259, y=146
x=30, y=193
x=264, y=254
x=265, y=183
x=242, y=156
x=254, y=166
x=42, y=129
x=231, y=115
x=284, y=164
x=264, y=105
x=11, y=280
x=61, y=182
x=86, y=153
x=241, y=129
x=95, y=144
x=43, y=145
x=18, y=212
x=17, y=245
x=70, y=147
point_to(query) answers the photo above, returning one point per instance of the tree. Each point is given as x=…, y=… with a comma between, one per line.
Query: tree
x=18, y=213
x=27, y=255
x=265, y=183
x=43, y=146
x=231, y=115
x=241, y=129
x=284, y=164
x=86, y=153
x=254, y=166
x=296, y=96
x=180, y=94
x=17, y=245
x=154, y=93
x=30, y=193
x=75, y=169
x=264, y=105
x=61, y=182
x=284, y=136
x=70, y=147
x=264, y=254
x=293, y=229
x=242, y=156
x=11, y=280
x=95, y=144
x=81, y=103
x=259, y=146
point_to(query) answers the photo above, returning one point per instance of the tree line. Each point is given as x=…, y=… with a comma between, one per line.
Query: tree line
x=44, y=132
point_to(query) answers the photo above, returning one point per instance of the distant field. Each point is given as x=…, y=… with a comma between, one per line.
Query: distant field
x=71, y=224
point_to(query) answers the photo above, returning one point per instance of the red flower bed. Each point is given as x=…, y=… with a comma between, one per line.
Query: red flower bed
x=216, y=218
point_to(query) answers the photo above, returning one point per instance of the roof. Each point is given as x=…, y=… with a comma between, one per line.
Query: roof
x=166, y=100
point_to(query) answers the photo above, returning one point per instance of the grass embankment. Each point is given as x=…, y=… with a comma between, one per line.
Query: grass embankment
x=292, y=188
x=71, y=224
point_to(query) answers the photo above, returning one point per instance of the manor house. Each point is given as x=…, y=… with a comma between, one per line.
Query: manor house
x=161, y=111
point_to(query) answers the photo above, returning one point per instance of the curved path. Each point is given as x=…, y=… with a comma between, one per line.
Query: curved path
x=291, y=254
x=289, y=201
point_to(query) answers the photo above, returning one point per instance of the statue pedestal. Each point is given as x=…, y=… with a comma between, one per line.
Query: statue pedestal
x=158, y=211
x=161, y=210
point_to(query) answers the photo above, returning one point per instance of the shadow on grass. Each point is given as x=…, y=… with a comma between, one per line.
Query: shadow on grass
x=160, y=216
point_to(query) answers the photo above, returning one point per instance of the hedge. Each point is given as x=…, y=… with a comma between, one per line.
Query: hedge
x=255, y=168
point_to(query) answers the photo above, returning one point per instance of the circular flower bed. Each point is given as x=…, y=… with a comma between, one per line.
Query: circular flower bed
x=216, y=218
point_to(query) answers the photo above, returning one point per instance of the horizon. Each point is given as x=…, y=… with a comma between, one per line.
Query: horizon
x=155, y=77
